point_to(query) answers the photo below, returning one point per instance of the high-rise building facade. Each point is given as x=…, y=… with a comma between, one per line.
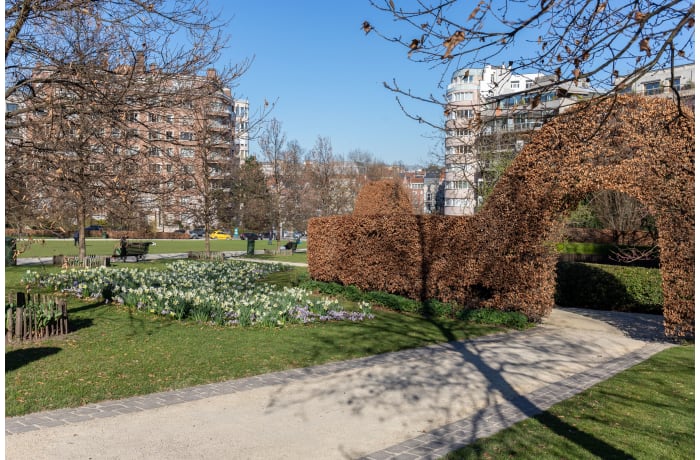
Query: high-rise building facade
x=491, y=113
x=174, y=136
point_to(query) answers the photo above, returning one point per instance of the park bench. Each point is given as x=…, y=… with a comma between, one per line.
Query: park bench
x=137, y=249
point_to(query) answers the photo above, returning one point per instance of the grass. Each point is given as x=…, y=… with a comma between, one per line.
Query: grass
x=105, y=247
x=583, y=248
x=644, y=412
x=117, y=352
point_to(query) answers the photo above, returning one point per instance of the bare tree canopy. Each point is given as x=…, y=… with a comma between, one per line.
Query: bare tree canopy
x=82, y=78
x=575, y=40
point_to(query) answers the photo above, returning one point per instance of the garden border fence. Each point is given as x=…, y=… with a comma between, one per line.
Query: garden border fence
x=23, y=318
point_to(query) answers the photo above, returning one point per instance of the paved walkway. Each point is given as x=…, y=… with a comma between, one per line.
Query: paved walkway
x=420, y=403
x=237, y=255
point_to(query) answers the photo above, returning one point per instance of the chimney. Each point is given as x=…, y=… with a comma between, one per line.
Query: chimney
x=211, y=74
x=152, y=68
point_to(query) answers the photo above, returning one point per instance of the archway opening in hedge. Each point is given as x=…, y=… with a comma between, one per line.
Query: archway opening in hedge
x=503, y=257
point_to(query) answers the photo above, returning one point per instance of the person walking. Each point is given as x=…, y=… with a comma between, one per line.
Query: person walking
x=122, y=248
x=76, y=237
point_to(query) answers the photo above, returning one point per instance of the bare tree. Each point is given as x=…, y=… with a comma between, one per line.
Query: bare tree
x=332, y=181
x=77, y=82
x=620, y=213
x=281, y=170
x=576, y=41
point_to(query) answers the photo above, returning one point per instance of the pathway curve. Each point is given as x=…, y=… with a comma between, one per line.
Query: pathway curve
x=418, y=403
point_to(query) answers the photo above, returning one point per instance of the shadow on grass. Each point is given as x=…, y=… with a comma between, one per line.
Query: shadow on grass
x=85, y=307
x=18, y=358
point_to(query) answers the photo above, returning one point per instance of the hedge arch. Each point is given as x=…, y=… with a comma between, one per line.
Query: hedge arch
x=502, y=256
x=638, y=146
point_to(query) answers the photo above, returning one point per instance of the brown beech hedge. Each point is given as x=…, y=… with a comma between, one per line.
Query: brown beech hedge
x=503, y=257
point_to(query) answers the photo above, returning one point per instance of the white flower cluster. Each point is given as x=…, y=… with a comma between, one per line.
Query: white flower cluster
x=224, y=293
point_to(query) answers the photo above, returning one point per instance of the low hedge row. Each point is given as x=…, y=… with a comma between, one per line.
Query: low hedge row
x=430, y=308
x=609, y=287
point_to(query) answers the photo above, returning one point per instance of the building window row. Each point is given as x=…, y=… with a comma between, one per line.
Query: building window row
x=457, y=184
x=461, y=114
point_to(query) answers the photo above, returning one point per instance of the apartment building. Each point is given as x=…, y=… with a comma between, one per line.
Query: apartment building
x=663, y=83
x=491, y=113
x=241, y=128
x=176, y=135
x=425, y=188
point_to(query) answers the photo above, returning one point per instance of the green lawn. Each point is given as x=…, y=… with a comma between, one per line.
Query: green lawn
x=117, y=352
x=646, y=412
x=105, y=247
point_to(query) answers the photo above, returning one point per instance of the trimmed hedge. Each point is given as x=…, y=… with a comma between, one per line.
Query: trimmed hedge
x=431, y=308
x=502, y=257
x=609, y=287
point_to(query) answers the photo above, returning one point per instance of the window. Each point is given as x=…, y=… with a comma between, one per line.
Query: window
x=416, y=185
x=153, y=135
x=168, y=134
x=677, y=83
x=462, y=113
x=152, y=117
x=116, y=132
x=169, y=151
x=186, y=136
x=187, y=120
x=169, y=168
x=132, y=151
x=170, y=118
x=133, y=133
x=132, y=116
x=187, y=153
x=100, y=132
x=154, y=152
x=652, y=87
x=189, y=169
x=462, y=96
x=154, y=168
x=515, y=84
x=116, y=150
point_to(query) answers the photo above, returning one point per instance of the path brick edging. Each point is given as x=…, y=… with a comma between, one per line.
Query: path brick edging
x=491, y=420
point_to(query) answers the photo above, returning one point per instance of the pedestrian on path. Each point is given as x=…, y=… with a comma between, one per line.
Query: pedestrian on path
x=122, y=248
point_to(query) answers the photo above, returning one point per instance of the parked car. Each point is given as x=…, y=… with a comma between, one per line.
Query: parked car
x=196, y=233
x=219, y=235
x=94, y=228
x=180, y=230
x=249, y=236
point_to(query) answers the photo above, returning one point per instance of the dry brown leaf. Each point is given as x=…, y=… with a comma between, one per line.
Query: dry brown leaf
x=452, y=42
x=644, y=46
x=366, y=26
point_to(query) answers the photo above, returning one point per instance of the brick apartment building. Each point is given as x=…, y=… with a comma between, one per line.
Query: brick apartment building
x=176, y=136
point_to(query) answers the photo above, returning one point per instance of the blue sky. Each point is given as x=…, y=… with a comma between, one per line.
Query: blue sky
x=326, y=76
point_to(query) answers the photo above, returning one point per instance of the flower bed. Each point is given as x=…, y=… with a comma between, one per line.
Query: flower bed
x=223, y=293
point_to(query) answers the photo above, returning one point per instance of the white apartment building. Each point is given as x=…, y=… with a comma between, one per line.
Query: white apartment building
x=491, y=113
x=466, y=95
x=659, y=83
x=241, y=129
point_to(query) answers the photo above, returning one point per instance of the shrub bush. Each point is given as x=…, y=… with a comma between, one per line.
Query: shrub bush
x=609, y=287
x=429, y=308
